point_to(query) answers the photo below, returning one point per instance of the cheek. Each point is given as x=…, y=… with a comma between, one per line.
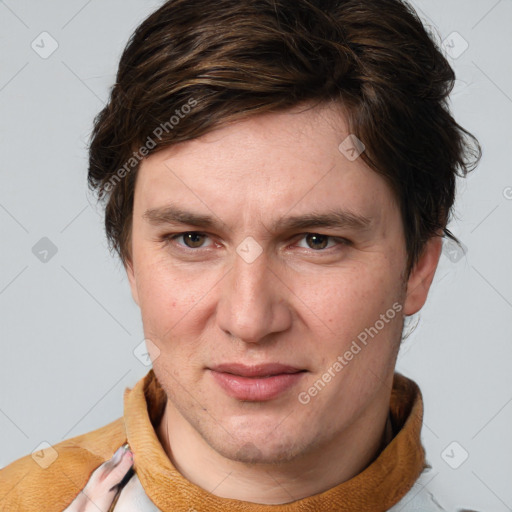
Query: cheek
x=347, y=296
x=350, y=304
x=168, y=296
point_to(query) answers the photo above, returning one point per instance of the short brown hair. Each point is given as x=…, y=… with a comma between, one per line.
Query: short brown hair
x=230, y=59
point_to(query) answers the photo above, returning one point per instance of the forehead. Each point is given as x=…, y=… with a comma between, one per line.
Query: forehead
x=263, y=165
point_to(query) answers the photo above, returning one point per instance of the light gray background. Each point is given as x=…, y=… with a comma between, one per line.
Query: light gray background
x=69, y=326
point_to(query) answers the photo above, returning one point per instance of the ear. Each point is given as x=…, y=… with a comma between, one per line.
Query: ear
x=132, y=280
x=422, y=275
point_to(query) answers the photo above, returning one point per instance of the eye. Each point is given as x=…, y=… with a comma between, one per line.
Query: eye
x=318, y=242
x=191, y=239
x=197, y=240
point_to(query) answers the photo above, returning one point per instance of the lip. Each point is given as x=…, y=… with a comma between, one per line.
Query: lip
x=257, y=383
x=259, y=370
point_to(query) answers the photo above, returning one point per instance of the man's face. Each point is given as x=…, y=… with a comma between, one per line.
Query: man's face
x=257, y=285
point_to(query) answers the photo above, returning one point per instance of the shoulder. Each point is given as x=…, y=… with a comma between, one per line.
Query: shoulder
x=54, y=476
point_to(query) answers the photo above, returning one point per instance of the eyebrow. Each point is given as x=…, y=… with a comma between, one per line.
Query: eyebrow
x=172, y=214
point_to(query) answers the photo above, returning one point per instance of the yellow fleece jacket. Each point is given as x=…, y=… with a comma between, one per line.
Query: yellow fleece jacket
x=50, y=480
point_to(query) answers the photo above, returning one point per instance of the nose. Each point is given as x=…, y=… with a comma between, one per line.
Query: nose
x=253, y=303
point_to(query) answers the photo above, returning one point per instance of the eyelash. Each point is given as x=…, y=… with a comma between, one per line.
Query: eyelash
x=170, y=238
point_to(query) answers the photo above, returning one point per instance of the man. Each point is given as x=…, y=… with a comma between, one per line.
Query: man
x=277, y=176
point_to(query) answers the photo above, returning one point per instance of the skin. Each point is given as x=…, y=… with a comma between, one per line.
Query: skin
x=299, y=303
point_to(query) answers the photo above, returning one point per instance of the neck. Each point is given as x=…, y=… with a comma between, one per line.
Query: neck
x=346, y=455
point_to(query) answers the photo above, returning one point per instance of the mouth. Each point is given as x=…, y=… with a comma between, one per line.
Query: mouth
x=256, y=383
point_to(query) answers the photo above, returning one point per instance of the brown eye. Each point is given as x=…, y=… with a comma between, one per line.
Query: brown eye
x=193, y=239
x=316, y=241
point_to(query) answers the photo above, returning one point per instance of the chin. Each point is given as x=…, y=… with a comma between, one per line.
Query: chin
x=260, y=449
x=250, y=453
